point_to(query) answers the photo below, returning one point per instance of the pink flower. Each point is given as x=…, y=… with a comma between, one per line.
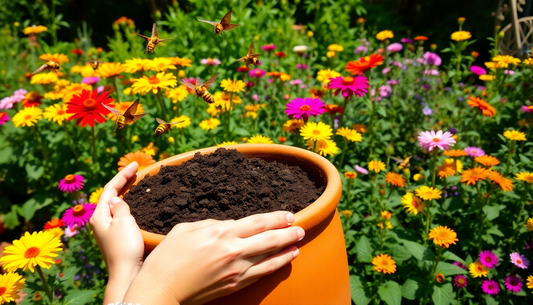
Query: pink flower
x=513, y=283
x=477, y=70
x=460, y=265
x=385, y=71
x=349, y=86
x=407, y=40
x=361, y=170
x=519, y=260
x=300, y=108
x=430, y=140
x=474, y=151
x=269, y=47
x=3, y=118
x=488, y=259
x=527, y=109
x=295, y=82
x=78, y=215
x=460, y=281
x=508, y=72
x=433, y=72
x=431, y=58
x=394, y=47
x=257, y=73
x=7, y=103
x=71, y=183
x=360, y=49
x=69, y=232
x=490, y=287
x=210, y=61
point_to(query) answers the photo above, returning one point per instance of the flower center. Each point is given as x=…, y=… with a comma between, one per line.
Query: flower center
x=305, y=108
x=78, y=210
x=460, y=281
x=518, y=261
x=32, y=252
x=436, y=140
x=60, y=112
x=27, y=117
x=154, y=80
x=70, y=178
x=488, y=260
x=3, y=290
x=316, y=132
x=89, y=103
x=347, y=81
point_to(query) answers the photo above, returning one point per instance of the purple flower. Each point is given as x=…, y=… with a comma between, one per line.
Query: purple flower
x=477, y=70
x=431, y=58
x=210, y=61
x=397, y=64
x=427, y=111
x=426, y=86
x=385, y=71
x=513, y=283
x=490, y=287
x=3, y=118
x=488, y=259
x=361, y=170
x=300, y=108
x=406, y=40
x=474, y=151
x=460, y=265
x=360, y=49
x=394, y=47
x=452, y=130
x=269, y=47
x=91, y=80
x=357, y=85
x=519, y=260
x=460, y=281
x=257, y=73
x=301, y=66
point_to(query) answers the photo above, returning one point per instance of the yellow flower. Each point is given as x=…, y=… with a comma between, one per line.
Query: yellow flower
x=418, y=177
x=27, y=117
x=384, y=35
x=350, y=175
x=10, y=285
x=150, y=149
x=324, y=75
x=350, y=134
x=529, y=224
x=347, y=213
x=44, y=78
x=325, y=147
x=384, y=263
x=59, y=58
x=285, y=77
x=186, y=122
x=182, y=62
x=251, y=115
x=412, y=203
x=177, y=94
x=443, y=236
x=376, y=166
x=57, y=232
x=528, y=61
x=527, y=177
x=233, y=85
x=530, y=282
x=88, y=71
x=388, y=225
x=514, y=135
x=154, y=83
x=35, y=29
x=335, y=48
x=360, y=128
x=110, y=69
x=259, y=139
x=160, y=64
x=316, y=131
x=496, y=65
x=477, y=269
x=136, y=64
x=330, y=54
x=122, y=107
x=222, y=100
x=506, y=59
x=461, y=35
x=95, y=196
x=386, y=214
x=487, y=77
x=428, y=193
x=74, y=89
x=227, y=143
x=30, y=250
x=209, y=124
x=57, y=113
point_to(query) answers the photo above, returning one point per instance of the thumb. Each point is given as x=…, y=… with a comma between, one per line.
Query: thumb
x=119, y=208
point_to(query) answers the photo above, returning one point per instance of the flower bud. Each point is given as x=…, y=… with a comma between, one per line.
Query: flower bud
x=433, y=47
x=310, y=33
x=418, y=177
x=389, y=151
x=407, y=173
x=171, y=140
x=461, y=21
x=475, y=54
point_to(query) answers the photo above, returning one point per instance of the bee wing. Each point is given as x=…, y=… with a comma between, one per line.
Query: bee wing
x=255, y=55
x=154, y=31
x=406, y=160
x=213, y=23
x=199, y=82
x=145, y=38
x=132, y=109
x=226, y=19
x=251, y=49
x=136, y=117
x=159, y=40
x=211, y=81
x=41, y=69
x=398, y=160
x=46, y=60
x=113, y=110
x=230, y=26
x=174, y=123
x=241, y=59
x=189, y=85
x=160, y=121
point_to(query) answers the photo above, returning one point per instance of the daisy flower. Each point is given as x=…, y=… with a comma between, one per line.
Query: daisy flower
x=513, y=283
x=350, y=134
x=3, y=118
x=394, y=47
x=87, y=107
x=269, y=47
x=300, y=108
x=95, y=196
x=316, y=131
x=429, y=140
x=32, y=99
x=455, y=153
x=209, y=124
x=350, y=175
x=71, y=183
x=136, y=64
x=349, y=85
x=292, y=125
x=460, y=281
x=232, y=85
x=364, y=63
x=488, y=259
x=10, y=285
x=443, y=236
x=486, y=108
x=514, y=135
x=325, y=75
x=31, y=250
x=177, y=94
x=59, y=58
x=526, y=177
x=428, y=193
x=530, y=282
x=412, y=204
x=160, y=64
x=180, y=62
x=519, y=260
x=35, y=29
x=144, y=160
x=186, y=122
x=79, y=215
x=27, y=117
x=487, y=160
x=474, y=151
x=529, y=224
x=490, y=287
x=154, y=83
x=110, y=69
x=384, y=35
x=395, y=179
x=384, y=263
x=54, y=223
x=324, y=147
x=259, y=139
x=57, y=113
x=461, y=35
x=210, y=61
x=477, y=269
x=256, y=73
x=473, y=175
x=376, y=166
x=361, y=170
x=477, y=70
x=505, y=184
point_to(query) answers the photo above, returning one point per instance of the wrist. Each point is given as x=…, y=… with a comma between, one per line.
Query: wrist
x=119, y=281
x=148, y=289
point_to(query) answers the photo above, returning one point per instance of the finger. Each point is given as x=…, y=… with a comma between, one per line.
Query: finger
x=189, y=226
x=271, y=264
x=119, y=208
x=259, y=223
x=270, y=241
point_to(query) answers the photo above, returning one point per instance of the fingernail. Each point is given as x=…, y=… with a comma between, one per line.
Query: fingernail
x=295, y=253
x=114, y=201
x=290, y=218
x=301, y=233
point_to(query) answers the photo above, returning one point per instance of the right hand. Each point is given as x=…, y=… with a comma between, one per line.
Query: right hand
x=204, y=260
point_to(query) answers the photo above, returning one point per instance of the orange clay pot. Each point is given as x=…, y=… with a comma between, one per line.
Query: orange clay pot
x=319, y=275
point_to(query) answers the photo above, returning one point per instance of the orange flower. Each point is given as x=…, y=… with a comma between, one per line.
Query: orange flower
x=455, y=153
x=446, y=169
x=421, y=38
x=360, y=128
x=486, y=108
x=473, y=175
x=487, y=160
x=504, y=183
x=350, y=175
x=395, y=179
x=365, y=63
x=274, y=74
x=143, y=159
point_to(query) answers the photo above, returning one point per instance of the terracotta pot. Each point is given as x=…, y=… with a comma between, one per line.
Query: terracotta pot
x=320, y=273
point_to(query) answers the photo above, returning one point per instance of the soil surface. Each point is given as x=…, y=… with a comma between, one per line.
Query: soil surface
x=221, y=185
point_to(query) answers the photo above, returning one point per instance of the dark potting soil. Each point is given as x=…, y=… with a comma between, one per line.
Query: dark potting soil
x=221, y=185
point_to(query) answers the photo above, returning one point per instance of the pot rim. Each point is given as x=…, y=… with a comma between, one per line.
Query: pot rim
x=308, y=218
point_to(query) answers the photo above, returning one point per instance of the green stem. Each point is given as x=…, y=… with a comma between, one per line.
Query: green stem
x=431, y=275
x=115, y=87
x=94, y=145
x=341, y=120
x=43, y=149
x=371, y=127
x=524, y=197
x=69, y=141
x=509, y=158
x=158, y=95
x=343, y=152
x=434, y=156
x=428, y=218
x=54, y=27
x=45, y=283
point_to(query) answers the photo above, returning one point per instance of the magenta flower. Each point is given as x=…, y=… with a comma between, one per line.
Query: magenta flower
x=3, y=118
x=460, y=265
x=519, y=260
x=433, y=72
x=349, y=86
x=407, y=40
x=526, y=109
x=508, y=72
x=477, y=70
x=301, y=66
x=490, y=287
x=488, y=259
x=269, y=47
x=460, y=281
x=394, y=47
x=361, y=170
x=71, y=183
x=90, y=80
x=300, y=108
x=430, y=140
x=79, y=215
x=210, y=61
x=513, y=283
x=474, y=151
x=257, y=73
x=386, y=70
x=431, y=58
x=393, y=82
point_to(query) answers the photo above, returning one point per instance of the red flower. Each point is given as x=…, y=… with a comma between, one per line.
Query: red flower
x=33, y=99
x=280, y=54
x=332, y=108
x=87, y=107
x=421, y=38
x=54, y=223
x=78, y=52
x=364, y=63
x=242, y=69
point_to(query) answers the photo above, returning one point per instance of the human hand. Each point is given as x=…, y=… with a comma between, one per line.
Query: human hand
x=204, y=260
x=118, y=236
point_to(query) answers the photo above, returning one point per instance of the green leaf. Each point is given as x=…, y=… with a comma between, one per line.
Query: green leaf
x=28, y=209
x=34, y=171
x=11, y=219
x=391, y=293
x=453, y=179
x=399, y=253
x=360, y=296
x=524, y=159
x=451, y=256
x=491, y=212
x=410, y=289
x=79, y=297
x=449, y=269
x=69, y=273
x=442, y=295
x=490, y=300
x=364, y=250
x=419, y=251
x=495, y=231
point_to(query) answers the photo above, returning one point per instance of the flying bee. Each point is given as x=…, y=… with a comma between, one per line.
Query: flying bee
x=95, y=64
x=201, y=88
x=402, y=163
x=164, y=127
x=250, y=58
x=153, y=40
x=128, y=117
x=48, y=66
x=223, y=25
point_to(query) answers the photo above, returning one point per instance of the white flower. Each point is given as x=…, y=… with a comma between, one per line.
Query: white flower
x=300, y=50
